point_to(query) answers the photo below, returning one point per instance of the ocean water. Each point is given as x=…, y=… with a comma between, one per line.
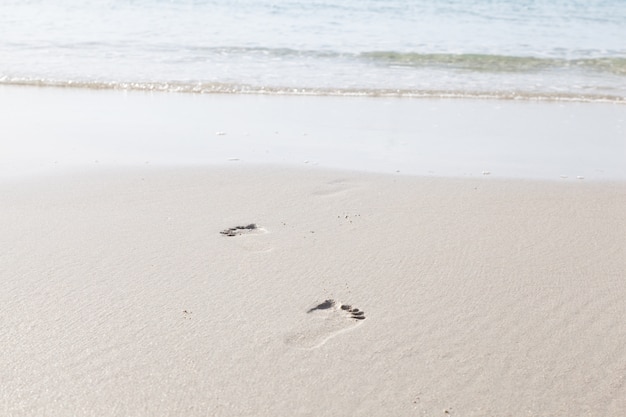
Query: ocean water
x=541, y=49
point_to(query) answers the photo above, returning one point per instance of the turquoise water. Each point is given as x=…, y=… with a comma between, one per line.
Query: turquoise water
x=558, y=50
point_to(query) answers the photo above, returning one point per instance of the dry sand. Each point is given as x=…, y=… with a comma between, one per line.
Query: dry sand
x=482, y=297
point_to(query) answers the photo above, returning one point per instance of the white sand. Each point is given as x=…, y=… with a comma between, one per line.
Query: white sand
x=482, y=297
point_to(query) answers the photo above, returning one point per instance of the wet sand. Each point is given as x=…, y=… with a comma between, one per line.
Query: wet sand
x=53, y=129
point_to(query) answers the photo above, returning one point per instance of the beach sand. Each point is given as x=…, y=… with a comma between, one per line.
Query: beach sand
x=51, y=129
x=481, y=297
x=187, y=255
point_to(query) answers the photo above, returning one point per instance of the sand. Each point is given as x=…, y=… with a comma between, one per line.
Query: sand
x=49, y=129
x=120, y=296
x=181, y=255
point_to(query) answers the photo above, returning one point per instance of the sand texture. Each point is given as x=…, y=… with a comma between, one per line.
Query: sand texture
x=479, y=297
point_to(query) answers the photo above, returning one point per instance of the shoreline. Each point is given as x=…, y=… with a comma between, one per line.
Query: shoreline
x=237, y=89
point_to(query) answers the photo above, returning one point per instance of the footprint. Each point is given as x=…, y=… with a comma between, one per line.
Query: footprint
x=327, y=320
x=238, y=230
x=251, y=229
x=335, y=187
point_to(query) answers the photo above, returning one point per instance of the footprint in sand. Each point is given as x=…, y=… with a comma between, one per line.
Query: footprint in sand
x=328, y=319
x=238, y=230
x=248, y=230
x=335, y=187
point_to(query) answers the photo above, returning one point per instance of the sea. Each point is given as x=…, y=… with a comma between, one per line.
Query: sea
x=568, y=50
